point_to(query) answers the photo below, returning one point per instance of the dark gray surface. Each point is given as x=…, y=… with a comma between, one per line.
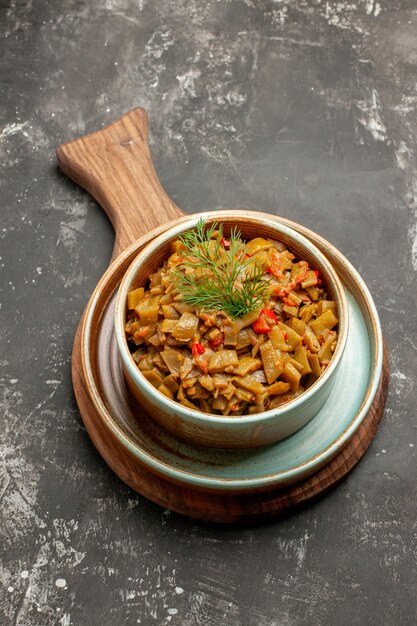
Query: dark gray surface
x=306, y=109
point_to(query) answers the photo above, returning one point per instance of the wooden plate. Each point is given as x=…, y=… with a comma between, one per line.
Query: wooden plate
x=115, y=166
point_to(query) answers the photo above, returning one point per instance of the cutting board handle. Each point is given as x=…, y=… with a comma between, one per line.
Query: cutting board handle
x=114, y=165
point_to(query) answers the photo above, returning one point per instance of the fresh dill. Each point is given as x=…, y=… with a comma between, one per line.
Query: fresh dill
x=213, y=278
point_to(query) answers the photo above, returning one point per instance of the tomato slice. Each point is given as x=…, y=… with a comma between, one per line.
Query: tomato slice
x=197, y=348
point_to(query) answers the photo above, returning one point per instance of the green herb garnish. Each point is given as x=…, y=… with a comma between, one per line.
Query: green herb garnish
x=212, y=278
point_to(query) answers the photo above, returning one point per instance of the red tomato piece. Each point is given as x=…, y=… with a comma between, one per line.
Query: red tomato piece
x=270, y=314
x=197, y=348
x=261, y=325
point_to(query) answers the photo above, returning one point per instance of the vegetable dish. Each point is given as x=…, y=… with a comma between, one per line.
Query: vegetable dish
x=231, y=327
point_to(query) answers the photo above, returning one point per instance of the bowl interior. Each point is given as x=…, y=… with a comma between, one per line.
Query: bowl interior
x=152, y=257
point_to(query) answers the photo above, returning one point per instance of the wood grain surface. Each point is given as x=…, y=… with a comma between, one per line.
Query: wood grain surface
x=114, y=165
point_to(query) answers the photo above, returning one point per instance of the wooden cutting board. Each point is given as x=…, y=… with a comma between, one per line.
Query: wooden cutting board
x=115, y=166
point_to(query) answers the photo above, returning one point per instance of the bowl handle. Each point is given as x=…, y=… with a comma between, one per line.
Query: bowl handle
x=114, y=165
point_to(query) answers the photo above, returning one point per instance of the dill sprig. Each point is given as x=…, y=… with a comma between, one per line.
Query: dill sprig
x=212, y=278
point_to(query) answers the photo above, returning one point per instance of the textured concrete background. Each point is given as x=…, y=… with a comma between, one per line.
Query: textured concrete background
x=303, y=108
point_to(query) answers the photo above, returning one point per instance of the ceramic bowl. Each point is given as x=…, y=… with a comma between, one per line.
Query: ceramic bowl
x=246, y=431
